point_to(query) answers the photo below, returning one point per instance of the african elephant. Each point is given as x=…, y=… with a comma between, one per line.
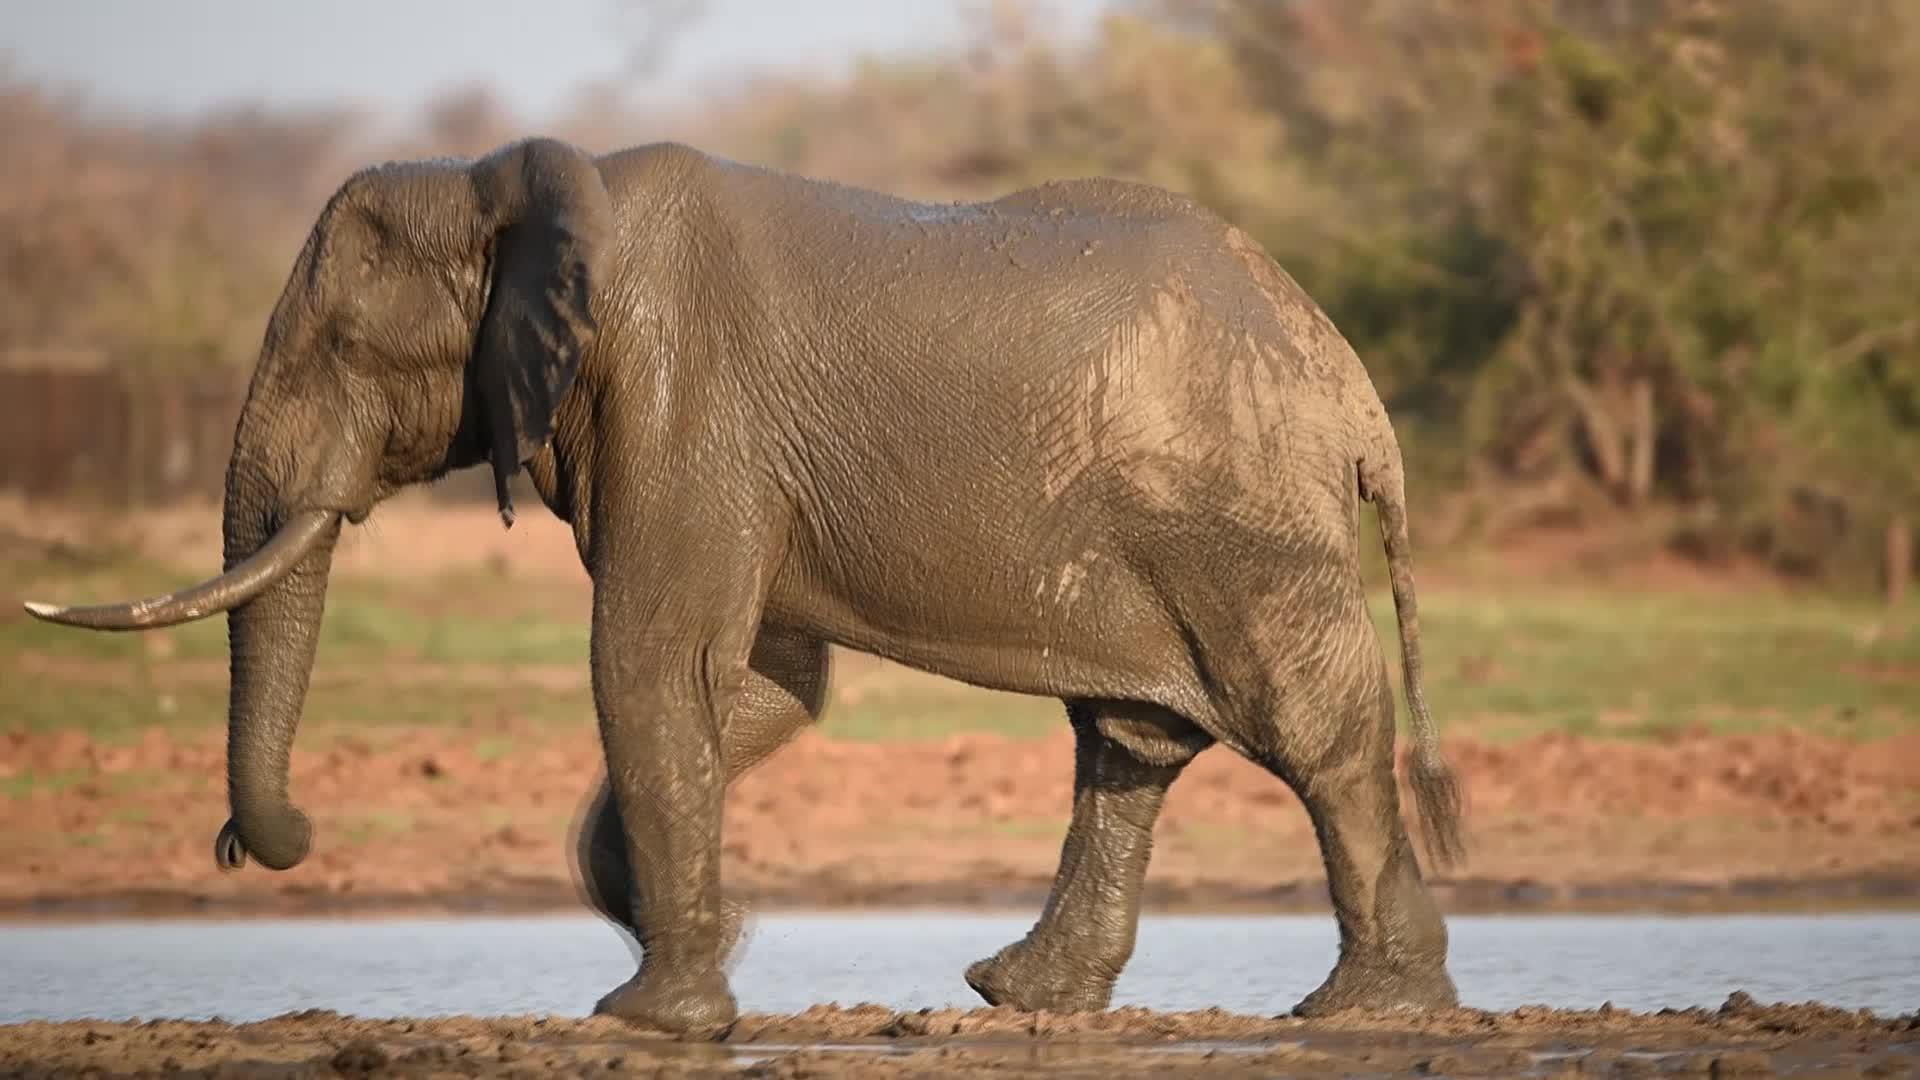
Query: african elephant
x=1086, y=440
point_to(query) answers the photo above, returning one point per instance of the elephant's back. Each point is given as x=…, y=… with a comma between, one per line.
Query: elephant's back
x=1098, y=323
x=1064, y=233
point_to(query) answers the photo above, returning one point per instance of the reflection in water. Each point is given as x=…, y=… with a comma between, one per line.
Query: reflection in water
x=251, y=970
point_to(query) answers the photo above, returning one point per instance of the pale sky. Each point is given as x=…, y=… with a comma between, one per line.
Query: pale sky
x=177, y=55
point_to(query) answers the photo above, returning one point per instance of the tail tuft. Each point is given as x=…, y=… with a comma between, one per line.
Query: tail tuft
x=1436, y=795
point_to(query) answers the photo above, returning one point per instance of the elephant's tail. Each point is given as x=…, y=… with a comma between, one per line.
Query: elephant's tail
x=1436, y=792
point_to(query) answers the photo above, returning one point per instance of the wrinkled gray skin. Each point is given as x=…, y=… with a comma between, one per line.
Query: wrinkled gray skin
x=1084, y=441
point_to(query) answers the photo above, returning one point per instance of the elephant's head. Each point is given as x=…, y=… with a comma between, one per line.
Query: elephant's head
x=434, y=319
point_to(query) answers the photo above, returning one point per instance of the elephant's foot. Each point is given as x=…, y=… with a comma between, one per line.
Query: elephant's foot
x=1052, y=978
x=1381, y=986
x=697, y=1005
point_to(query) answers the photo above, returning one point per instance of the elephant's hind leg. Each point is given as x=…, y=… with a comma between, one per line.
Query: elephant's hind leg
x=784, y=690
x=1125, y=757
x=1393, y=943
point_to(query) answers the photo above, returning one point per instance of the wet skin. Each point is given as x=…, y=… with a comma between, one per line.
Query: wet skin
x=1084, y=441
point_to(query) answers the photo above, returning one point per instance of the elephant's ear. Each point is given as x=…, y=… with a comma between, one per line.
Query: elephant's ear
x=551, y=230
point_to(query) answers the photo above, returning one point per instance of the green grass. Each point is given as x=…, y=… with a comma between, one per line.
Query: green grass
x=468, y=649
x=389, y=654
x=364, y=627
x=375, y=825
x=939, y=709
x=491, y=748
x=1625, y=664
x=115, y=713
x=22, y=784
x=420, y=620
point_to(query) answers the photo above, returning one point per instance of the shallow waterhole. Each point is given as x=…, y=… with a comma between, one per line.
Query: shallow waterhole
x=252, y=970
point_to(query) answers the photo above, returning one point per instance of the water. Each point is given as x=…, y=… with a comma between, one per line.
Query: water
x=252, y=970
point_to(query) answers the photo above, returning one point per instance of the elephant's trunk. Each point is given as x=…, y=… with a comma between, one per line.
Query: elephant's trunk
x=271, y=639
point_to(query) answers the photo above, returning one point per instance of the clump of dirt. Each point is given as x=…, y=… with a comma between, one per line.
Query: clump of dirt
x=1742, y=1037
x=481, y=818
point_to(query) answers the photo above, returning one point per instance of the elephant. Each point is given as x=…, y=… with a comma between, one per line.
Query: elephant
x=1085, y=440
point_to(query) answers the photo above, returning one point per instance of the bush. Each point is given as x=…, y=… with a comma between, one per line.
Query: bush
x=1653, y=257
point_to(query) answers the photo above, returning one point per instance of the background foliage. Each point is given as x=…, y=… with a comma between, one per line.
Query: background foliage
x=1636, y=266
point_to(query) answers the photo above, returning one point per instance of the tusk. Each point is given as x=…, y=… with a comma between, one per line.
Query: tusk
x=245, y=581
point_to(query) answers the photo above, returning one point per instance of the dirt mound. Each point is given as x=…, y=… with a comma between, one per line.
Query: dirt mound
x=482, y=816
x=1742, y=1037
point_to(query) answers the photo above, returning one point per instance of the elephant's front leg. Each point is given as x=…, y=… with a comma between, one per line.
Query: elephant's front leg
x=784, y=690
x=1125, y=758
x=668, y=661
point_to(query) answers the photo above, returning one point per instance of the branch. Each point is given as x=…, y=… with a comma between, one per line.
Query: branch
x=1856, y=348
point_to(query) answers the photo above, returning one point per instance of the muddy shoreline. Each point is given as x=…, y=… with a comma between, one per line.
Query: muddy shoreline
x=1740, y=1038
x=1847, y=893
x=428, y=821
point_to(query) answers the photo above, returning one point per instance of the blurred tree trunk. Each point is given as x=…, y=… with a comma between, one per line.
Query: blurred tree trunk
x=1899, y=559
x=1602, y=434
x=1618, y=425
x=1640, y=478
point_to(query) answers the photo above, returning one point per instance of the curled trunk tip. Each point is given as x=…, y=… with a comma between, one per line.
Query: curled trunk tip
x=281, y=839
